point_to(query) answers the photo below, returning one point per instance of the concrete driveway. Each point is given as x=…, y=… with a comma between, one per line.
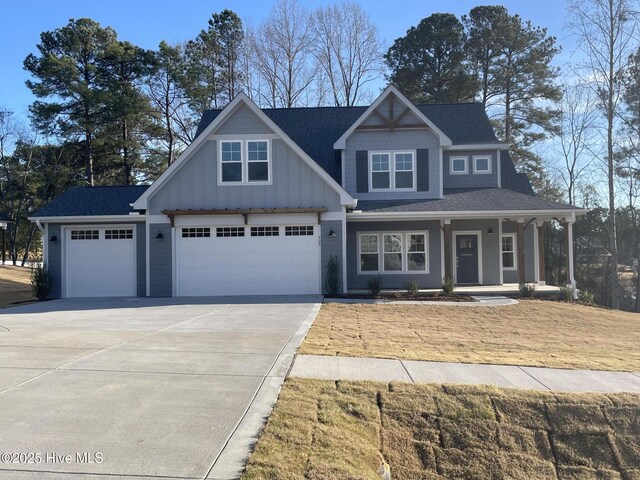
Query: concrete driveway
x=144, y=388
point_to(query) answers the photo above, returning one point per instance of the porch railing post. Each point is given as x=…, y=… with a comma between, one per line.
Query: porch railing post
x=448, y=261
x=521, y=266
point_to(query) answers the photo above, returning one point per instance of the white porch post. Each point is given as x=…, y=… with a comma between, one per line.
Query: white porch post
x=536, y=255
x=500, y=244
x=572, y=280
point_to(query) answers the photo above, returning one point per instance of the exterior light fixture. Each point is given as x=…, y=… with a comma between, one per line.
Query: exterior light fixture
x=159, y=235
x=332, y=234
x=53, y=238
x=490, y=231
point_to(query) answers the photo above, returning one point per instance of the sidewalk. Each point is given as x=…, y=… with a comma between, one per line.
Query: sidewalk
x=535, y=378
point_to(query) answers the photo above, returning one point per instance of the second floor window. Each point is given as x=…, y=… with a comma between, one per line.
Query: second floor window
x=392, y=171
x=244, y=162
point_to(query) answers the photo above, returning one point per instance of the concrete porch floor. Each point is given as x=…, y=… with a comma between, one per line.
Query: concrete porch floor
x=507, y=290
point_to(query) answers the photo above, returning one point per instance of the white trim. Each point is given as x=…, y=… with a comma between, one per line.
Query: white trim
x=572, y=280
x=479, y=146
x=91, y=218
x=343, y=168
x=455, y=252
x=344, y=252
x=244, y=162
x=242, y=98
x=404, y=234
x=489, y=164
x=158, y=219
x=147, y=254
x=392, y=170
x=453, y=158
x=45, y=245
x=442, y=223
x=536, y=254
x=332, y=215
x=515, y=252
x=174, y=263
x=459, y=215
x=342, y=141
x=441, y=169
x=499, y=167
x=500, y=250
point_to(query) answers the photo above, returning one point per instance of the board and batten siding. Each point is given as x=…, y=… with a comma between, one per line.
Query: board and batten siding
x=470, y=179
x=195, y=185
x=511, y=276
x=330, y=246
x=54, y=255
x=490, y=246
x=433, y=279
x=160, y=261
x=243, y=121
x=372, y=141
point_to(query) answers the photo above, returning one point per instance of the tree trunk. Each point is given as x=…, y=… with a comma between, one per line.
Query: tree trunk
x=613, y=246
x=27, y=247
x=88, y=156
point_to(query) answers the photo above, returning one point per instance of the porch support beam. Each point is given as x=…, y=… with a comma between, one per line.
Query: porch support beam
x=448, y=261
x=570, y=275
x=520, y=240
x=541, y=266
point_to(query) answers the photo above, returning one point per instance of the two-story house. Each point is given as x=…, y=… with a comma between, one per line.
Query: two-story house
x=263, y=197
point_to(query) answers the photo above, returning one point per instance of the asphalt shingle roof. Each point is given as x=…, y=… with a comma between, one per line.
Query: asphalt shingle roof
x=80, y=201
x=486, y=199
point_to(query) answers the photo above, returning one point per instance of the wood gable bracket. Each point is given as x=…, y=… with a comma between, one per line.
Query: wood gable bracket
x=245, y=212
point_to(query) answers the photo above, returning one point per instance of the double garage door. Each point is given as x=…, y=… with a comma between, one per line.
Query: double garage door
x=247, y=260
x=100, y=262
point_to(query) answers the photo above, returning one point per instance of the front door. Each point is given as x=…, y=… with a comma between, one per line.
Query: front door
x=467, y=259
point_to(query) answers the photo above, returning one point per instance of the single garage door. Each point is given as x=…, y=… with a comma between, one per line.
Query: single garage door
x=100, y=262
x=248, y=260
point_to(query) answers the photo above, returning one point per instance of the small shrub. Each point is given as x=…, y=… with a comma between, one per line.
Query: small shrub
x=448, y=285
x=332, y=276
x=566, y=293
x=527, y=290
x=586, y=297
x=374, y=284
x=412, y=287
x=40, y=282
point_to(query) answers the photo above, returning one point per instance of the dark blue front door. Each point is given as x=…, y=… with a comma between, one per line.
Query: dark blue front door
x=467, y=259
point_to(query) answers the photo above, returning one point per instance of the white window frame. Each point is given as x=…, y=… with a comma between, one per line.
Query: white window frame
x=244, y=162
x=453, y=158
x=405, y=267
x=392, y=170
x=489, y=164
x=515, y=249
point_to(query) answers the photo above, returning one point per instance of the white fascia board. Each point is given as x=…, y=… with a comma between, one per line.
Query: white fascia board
x=342, y=141
x=390, y=216
x=141, y=202
x=479, y=146
x=90, y=218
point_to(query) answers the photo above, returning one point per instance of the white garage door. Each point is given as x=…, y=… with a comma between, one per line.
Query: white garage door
x=100, y=262
x=247, y=260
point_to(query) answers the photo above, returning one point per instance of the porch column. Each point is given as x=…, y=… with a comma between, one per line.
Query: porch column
x=4, y=244
x=571, y=281
x=541, y=266
x=448, y=264
x=521, y=277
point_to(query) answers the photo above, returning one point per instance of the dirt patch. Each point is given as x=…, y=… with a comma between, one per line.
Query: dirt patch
x=15, y=285
x=350, y=430
x=399, y=296
x=534, y=332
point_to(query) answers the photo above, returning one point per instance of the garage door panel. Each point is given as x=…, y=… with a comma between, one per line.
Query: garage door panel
x=247, y=265
x=99, y=267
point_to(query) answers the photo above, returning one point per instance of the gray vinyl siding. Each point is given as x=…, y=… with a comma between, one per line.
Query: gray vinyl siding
x=392, y=141
x=490, y=247
x=243, y=121
x=195, y=185
x=433, y=279
x=330, y=246
x=54, y=256
x=471, y=179
x=54, y=260
x=511, y=276
x=160, y=261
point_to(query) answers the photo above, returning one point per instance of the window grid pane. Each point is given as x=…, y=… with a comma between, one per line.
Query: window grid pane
x=118, y=234
x=404, y=162
x=257, y=152
x=459, y=164
x=85, y=235
x=265, y=231
x=298, y=230
x=230, y=232
x=380, y=162
x=231, y=151
x=482, y=164
x=196, y=232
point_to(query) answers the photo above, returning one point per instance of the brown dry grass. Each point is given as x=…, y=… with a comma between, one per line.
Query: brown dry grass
x=15, y=285
x=349, y=430
x=534, y=332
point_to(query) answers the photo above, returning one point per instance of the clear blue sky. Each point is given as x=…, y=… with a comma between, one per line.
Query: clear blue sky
x=147, y=22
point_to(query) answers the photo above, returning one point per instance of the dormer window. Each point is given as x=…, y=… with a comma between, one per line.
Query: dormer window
x=392, y=171
x=481, y=164
x=458, y=165
x=244, y=162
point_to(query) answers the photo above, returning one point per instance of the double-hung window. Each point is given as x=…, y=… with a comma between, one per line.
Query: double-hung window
x=393, y=252
x=392, y=171
x=509, y=252
x=244, y=162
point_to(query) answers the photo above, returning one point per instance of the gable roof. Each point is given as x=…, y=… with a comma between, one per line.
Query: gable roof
x=479, y=200
x=92, y=201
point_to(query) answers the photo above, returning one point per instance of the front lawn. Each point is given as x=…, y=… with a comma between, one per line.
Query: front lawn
x=534, y=332
x=15, y=285
x=350, y=430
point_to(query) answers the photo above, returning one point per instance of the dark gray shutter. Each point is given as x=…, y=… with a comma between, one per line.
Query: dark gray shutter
x=362, y=171
x=422, y=169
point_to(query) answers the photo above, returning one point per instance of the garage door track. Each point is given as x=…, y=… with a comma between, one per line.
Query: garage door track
x=142, y=388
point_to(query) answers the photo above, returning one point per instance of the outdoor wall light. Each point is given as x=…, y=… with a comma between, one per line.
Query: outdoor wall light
x=490, y=231
x=332, y=234
x=53, y=238
x=159, y=235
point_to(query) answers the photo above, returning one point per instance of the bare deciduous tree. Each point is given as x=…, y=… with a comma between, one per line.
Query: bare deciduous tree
x=348, y=49
x=606, y=30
